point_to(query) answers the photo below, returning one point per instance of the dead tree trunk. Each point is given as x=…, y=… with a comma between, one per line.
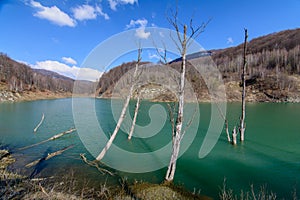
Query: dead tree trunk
x=226, y=123
x=242, y=119
x=134, y=117
x=177, y=135
x=177, y=132
x=123, y=112
x=227, y=131
x=234, y=136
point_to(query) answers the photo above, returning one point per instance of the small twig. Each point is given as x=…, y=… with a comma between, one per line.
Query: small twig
x=43, y=190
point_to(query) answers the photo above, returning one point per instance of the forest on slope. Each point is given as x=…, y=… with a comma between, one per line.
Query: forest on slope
x=21, y=82
x=273, y=70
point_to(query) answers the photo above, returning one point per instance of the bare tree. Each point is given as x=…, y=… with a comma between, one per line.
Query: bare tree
x=123, y=112
x=182, y=45
x=242, y=119
x=136, y=110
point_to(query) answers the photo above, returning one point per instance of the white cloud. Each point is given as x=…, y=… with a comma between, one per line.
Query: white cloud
x=139, y=22
x=87, y=12
x=53, y=14
x=114, y=3
x=140, y=31
x=72, y=72
x=153, y=56
x=69, y=60
x=230, y=40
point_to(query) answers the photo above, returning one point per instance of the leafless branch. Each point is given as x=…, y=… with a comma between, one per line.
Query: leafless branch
x=195, y=32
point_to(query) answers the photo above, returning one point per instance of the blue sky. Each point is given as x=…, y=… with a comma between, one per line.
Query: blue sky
x=58, y=35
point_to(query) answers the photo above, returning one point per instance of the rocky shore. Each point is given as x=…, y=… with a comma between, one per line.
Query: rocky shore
x=9, y=96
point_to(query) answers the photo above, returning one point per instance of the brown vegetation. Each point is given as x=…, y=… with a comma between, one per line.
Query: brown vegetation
x=272, y=73
x=19, y=77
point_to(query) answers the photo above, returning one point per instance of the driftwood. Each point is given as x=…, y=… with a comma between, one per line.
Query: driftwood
x=95, y=163
x=50, y=155
x=36, y=128
x=49, y=139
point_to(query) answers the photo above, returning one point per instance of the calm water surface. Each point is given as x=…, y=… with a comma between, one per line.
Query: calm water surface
x=270, y=155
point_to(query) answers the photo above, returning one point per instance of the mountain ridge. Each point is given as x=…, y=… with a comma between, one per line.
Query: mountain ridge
x=272, y=73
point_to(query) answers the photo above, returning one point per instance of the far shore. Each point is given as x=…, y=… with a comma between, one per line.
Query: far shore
x=7, y=96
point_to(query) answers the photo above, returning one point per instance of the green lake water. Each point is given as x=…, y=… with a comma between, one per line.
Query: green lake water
x=270, y=155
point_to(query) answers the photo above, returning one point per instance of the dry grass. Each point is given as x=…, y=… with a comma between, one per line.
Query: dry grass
x=262, y=193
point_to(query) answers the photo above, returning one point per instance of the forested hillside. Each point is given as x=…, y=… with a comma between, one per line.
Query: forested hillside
x=20, y=77
x=272, y=72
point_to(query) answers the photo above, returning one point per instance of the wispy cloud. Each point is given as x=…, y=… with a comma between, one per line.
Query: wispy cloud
x=87, y=12
x=230, y=41
x=153, y=56
x=141, y=26
x=52, y=14
x=69, y=71
x=114, y=3
x=69, y=60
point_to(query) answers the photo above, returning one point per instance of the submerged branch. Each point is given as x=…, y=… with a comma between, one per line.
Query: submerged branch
x=95, y=163
x=49, y=139
x=49, y=155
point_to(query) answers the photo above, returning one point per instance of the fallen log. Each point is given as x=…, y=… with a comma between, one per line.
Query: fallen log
x=39, y=124
x=49, y=139
x=49, y=155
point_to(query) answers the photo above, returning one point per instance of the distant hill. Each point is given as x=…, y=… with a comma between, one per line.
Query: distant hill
x=20, y=82
x=20, y=77
x=272, y=73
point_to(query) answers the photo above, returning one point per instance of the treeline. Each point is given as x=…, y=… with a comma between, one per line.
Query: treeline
x=273, y=62
x=19, y=77
x=277, y=51
x=110, y=78
x=273, y=65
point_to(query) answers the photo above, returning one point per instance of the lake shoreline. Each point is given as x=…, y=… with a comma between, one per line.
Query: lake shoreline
x=19, y=186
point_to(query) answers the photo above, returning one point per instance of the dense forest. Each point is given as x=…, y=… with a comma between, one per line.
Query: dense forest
x=272, y=72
